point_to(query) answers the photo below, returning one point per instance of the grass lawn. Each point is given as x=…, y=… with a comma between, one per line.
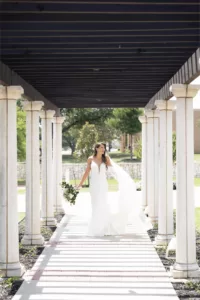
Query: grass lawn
x=112, y=183
x=197, y=218
x=21, y=215
x=116, y=156
x=119, y=157
x=197, y=157
x=197, y=181
x=21, y=191
x=68, y=158
x=21, y=182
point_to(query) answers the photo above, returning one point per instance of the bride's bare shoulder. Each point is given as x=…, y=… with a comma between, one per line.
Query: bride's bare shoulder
x=90, y=158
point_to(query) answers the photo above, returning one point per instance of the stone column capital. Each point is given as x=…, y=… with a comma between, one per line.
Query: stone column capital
x=10, y=92
x=32, y=105
x=58, y=120
x=165, y=105
x=152, y=113
x=47, y=114
x=184, y=90
x=143, y=119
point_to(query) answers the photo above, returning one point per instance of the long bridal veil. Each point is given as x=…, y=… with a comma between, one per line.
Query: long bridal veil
x=129, y=206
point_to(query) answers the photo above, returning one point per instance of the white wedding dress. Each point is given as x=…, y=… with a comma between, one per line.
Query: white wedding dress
x=103, y=221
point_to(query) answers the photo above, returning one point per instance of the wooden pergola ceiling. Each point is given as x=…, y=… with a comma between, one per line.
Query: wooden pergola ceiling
x=98, y=53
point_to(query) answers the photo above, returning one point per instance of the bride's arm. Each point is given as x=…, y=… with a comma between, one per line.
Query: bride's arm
x=87, y=171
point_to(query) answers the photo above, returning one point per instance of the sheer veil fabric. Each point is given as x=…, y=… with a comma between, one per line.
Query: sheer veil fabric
x=103, y=221
x=129, y=207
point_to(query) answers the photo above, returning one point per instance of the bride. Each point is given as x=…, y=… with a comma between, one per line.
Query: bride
x=103, y=220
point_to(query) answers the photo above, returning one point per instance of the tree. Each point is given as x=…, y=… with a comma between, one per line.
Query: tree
x=126, y=120
x=21, y=133
x=76, y=117
x=69, y=139
x=138, y=148
x=87, y=139
x=107, y=133
x=174, y=146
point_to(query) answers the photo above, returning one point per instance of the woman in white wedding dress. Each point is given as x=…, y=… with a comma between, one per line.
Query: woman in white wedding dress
x=103, y=221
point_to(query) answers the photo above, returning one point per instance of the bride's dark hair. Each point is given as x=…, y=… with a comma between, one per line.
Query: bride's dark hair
x=104, y=157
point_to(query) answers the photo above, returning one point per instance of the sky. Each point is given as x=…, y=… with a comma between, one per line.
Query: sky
x=196, y=101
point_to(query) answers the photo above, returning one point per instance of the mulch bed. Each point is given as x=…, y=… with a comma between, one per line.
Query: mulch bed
x=27, y=256
x=190, y=290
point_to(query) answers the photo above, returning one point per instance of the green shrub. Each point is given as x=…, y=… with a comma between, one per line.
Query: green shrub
x=138, y=148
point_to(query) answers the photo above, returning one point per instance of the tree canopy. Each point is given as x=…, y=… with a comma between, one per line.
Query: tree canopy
x=76, y=117
x=21, y=133
x=87, y=139
x=126, y=120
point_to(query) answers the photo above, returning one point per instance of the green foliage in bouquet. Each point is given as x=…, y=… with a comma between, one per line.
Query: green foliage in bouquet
x=69, y=192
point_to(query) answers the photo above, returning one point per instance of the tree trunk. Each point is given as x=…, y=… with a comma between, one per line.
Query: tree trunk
x=73, y=149
x=131, y=146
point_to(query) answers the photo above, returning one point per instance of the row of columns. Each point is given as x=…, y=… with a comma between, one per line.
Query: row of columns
x=157, y=175
x=37, y=213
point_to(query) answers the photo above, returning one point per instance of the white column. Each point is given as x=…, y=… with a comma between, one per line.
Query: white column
x=32, y=231
x=57, y=163
x=156, y=120
x=185, y=265
x=47, y=169
x=143, y=120
x=165, y=206
x=152, y=163
x=9, y=236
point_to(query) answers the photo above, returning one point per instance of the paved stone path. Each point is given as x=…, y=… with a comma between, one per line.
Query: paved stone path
x=22, y=206
x=76, y=267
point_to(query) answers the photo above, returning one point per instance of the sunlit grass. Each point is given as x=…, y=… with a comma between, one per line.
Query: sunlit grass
x=118, y=157
x=197, y=181
x=21, y=191
x=21, y=215
x=112, y=185
x=197, y=218
x=197, y=157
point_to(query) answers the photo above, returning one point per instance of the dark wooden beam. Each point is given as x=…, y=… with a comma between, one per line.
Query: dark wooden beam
x=9, y=77
x=187, y=73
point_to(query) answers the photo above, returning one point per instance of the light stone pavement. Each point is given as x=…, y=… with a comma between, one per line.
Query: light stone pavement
x=76, y=267
x=22, y=208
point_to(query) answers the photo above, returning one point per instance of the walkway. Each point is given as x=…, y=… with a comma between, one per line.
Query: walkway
x=75, y=267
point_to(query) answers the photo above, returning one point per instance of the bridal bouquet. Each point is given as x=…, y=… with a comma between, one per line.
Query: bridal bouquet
x=69, y=192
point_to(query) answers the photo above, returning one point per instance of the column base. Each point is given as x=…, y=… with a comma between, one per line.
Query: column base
x=32, y=239
x=12, y=269
x=171, y=248
x=48, y=222
x=59, y=209
x=180, y=271
x=163, y=239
